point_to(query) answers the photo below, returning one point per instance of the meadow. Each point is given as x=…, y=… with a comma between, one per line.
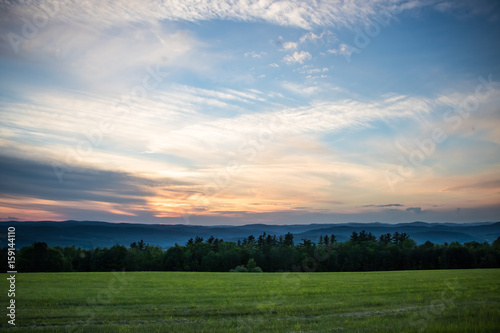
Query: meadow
x=396, y=301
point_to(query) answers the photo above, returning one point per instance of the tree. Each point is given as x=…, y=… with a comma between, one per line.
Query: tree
x=212, y=262
x=361, y=252
x=352, y=257
x=496, y=244
x=282, y=258
x=399, y=238
x=306, y=243
x=4, y=251
x=215, y=245
x=289, y=239
x=112, y=259
x=174, y=258
x=365, y=237
x=152, y=258
x=239, y=269
x=251, y=264
x=261, y=241
x=39, y=257
x=333, y=239
x=385, y=239
x=141, y=246
x=230, y=257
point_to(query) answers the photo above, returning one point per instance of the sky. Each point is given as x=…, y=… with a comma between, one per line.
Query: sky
x=237, y=112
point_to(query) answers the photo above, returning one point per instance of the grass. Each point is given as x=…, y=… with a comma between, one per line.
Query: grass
x=405, y=301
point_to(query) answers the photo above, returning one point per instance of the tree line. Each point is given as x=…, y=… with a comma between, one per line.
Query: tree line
x=267, y=253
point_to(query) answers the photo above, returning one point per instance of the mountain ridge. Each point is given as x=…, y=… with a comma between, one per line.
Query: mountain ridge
x=92, y=234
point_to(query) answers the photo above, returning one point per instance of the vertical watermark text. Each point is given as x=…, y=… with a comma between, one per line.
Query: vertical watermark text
x=11, y=264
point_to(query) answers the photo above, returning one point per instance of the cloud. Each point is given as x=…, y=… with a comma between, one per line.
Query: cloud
x=31, y=189
x=490, y=184
x=106, y=58
x=415, y=210
x=31, y=178
x=255, y=54
x=479, y=214
x=311, y=70
x=321, y=117
x=301, y=89
x=312, y=73
x=464, y=9
x=170, y=134
x=300, y=57
x=310, y=36
x=297, y=57
x=381, y=206
x=65, y=120
x=290, y=46
x=343, y=49
x=298, y=13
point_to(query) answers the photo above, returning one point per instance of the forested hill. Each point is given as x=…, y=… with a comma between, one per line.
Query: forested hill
x=265, y=253
x=90, y=234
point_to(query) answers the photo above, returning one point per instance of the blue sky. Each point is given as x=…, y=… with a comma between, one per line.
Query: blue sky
x=239, y=112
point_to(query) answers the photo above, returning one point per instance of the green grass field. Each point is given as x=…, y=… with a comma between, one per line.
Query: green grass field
x=407, y=301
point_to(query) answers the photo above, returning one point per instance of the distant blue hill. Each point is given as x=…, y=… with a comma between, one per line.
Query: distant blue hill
x=92, y=234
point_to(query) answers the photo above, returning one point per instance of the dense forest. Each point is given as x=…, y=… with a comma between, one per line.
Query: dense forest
x=268, y=253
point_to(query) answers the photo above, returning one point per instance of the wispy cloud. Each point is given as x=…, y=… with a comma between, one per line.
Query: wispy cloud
x=343, y=49
x=287, y=13
x=171, y=125
x=104, y=59
x=296, y=13
x=415, y=210
x=255, y=54
x=384, y=206
x=297, y=57
x=490, y=184
x=309, y=36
